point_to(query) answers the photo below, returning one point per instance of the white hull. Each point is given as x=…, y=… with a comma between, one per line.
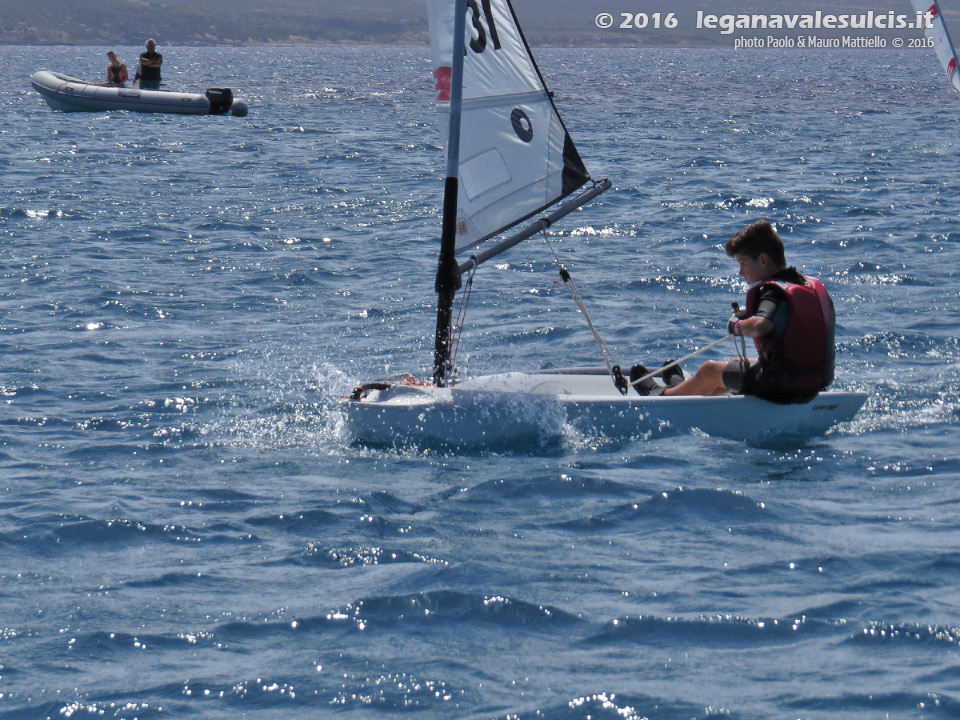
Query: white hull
x=68, y=94
x=515, y=408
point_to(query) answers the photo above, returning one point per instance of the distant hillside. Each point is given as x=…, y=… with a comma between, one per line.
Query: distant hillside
x=211, y=22
x=382, y=22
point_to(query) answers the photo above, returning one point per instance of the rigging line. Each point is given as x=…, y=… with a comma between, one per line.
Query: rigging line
x=457, y=330
x=741, y=349
x=683, y=359
x=609, y=357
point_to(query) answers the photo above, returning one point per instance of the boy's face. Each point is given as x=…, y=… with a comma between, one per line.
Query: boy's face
x=755, y=270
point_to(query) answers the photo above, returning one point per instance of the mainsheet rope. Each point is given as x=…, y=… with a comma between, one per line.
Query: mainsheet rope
x=669, y=365
x=613, y=365
x=609, y=356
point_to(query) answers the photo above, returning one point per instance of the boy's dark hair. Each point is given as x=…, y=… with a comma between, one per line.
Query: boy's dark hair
x=757, y=238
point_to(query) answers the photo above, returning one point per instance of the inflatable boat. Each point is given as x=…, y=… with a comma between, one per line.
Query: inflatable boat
x=69, y=94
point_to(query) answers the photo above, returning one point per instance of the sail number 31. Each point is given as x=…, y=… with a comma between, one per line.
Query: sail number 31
x=479, y=43
x=643, y=20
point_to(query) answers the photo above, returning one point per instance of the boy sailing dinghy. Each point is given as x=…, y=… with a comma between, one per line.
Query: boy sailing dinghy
x=509, y=157
x=936, y=30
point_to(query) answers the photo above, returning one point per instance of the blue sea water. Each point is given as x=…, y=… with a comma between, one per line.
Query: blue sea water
x=186, y=530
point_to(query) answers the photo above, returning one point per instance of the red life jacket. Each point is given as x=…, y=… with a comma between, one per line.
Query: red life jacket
x=801, y=361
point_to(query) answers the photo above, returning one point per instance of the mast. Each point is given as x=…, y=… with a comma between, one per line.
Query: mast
x=448, y=271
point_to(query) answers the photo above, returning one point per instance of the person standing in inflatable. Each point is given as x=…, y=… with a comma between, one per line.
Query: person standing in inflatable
x=150, y=62
x=790, y=318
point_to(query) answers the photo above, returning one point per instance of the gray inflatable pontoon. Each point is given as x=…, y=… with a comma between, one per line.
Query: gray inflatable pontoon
x=69, y=94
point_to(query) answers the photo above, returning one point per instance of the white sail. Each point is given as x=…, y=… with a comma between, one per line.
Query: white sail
x=937, y=32
x=516, y=157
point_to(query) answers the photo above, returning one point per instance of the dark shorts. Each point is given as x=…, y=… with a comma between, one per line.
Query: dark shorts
x=748, y=378
x=740, y=376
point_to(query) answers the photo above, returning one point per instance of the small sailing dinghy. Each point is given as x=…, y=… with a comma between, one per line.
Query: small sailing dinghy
x=70, y=94
x=509, y=158
x=936, y=30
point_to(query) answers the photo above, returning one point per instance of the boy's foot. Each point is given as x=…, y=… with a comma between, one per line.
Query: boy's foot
x=648, y=386
x=672, y=376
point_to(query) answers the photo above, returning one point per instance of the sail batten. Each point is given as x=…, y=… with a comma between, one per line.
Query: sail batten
x=942, y=44
x=516, y=157
x=493, y=101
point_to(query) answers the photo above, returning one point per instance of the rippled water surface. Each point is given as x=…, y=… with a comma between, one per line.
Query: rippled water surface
x=186, y=531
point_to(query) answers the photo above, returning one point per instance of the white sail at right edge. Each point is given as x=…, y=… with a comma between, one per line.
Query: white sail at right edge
x=942, y=45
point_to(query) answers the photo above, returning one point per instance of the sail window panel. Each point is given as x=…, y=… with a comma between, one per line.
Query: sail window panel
x=483, y=173
x=504, y=179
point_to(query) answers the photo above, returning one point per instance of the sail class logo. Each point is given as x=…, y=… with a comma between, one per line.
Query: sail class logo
x=522, y=125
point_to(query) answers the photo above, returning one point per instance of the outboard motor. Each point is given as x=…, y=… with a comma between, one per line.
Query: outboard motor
x=220, y=100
